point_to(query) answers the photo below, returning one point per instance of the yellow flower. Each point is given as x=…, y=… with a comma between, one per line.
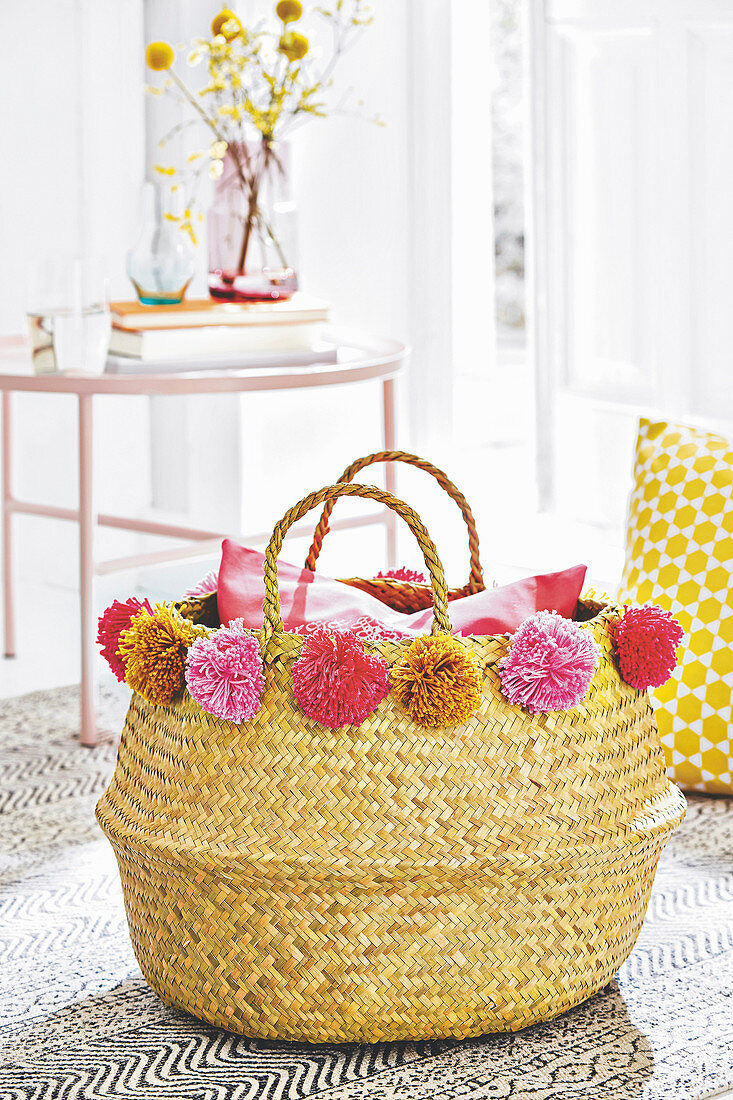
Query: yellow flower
x=163, y=171
x=187, y=227
x=227, y=25
x=229, y=110
x=218, y=149
x=289, y=10
x=159, y=56
x=215, y=169
x=293, y=45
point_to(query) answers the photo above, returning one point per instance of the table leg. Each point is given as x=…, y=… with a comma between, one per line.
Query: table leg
x=8, y=590
x=88, y=732
x=389, y=416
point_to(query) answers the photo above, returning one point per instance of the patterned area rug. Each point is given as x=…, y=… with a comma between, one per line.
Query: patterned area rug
x=79, y=1021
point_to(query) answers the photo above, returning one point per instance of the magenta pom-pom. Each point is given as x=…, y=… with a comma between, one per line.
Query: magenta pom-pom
x=224, y=673
x=112, y=623
x=207, y=584
x=647, y=639
x=549, y=665
x=335, y=681
x=402, y=574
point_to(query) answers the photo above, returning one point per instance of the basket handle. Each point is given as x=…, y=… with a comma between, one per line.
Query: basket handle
x=476, y=578
x=271, y=606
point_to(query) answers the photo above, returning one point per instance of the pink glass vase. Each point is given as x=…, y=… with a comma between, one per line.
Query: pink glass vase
x=251, y=226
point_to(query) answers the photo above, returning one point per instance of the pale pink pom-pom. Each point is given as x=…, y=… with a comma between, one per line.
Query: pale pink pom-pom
x=550, y=664
x=224, y=673
x=335, y=681
x=207, y=584
x=112, y=623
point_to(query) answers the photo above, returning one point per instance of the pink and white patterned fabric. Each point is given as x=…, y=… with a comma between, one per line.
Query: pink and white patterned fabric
x=308, y=599
x=365, y=628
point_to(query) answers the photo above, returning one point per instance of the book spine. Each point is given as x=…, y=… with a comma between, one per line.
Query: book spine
x=162, y=344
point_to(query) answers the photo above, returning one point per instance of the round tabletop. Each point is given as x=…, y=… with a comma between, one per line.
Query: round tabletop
x=359, y=357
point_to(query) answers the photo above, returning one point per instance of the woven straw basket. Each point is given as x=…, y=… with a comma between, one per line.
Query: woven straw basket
x=287, y=881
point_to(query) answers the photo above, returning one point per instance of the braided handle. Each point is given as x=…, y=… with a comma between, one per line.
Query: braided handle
x=271, y=606
x=476, y=578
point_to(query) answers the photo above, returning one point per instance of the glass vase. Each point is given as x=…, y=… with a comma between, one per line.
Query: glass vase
x=162, y=261
x=251, y=226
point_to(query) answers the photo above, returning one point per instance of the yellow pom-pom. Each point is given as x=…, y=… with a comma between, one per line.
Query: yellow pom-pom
x=227, y=24
x=289, y=10
x=159, y=56
x=154, y=650
x=437, y=681
x=293, y=45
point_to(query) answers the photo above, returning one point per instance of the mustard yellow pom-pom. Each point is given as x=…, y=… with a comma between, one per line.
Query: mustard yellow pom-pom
x=293, y=45
x=154, y=650
x=227, y=24
x=289, y=10
x=159, y=56
x=437, y=681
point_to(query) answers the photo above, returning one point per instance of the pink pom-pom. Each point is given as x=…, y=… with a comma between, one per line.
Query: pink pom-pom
x=550, y=664
x=112, y=623
x=207, y=584
x=646, y=642
x=336, y=682
x=224, y=673
x=402, y=574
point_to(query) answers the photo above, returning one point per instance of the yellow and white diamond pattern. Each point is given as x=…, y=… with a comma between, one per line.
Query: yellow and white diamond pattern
x=679, y=554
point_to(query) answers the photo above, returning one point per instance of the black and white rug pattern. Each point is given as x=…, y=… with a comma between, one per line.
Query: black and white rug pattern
x=78, y=1021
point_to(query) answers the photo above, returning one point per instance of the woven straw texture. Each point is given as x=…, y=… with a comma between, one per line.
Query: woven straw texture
x=405, y=596
x=284, y=880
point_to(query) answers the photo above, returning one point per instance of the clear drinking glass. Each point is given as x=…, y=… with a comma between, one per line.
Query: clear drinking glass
x=68, y=316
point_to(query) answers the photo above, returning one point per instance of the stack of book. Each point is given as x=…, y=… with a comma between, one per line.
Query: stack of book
x=202, y=334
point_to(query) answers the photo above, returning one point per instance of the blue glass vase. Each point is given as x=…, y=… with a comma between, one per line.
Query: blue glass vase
x=162, y=261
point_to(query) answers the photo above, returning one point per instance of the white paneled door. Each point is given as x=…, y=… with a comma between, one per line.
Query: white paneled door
x=631, y=233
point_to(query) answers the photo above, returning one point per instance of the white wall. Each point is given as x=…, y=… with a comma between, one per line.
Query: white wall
x=71, y=130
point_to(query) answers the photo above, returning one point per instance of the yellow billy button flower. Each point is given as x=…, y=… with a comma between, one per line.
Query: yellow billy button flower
x=227, y=24
x=159, y=56
x=289, y=10
x=293, y=45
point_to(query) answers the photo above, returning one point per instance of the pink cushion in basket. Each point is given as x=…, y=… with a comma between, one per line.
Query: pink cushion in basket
x=307, y=599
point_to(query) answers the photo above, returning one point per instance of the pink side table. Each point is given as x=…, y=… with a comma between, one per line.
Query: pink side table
x=361, y=357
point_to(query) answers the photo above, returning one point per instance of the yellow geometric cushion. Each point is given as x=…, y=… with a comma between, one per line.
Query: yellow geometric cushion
x=679, y=554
